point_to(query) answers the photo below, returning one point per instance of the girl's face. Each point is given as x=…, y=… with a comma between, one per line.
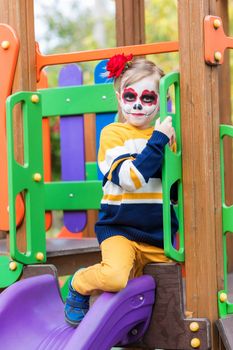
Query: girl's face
x=139, y=102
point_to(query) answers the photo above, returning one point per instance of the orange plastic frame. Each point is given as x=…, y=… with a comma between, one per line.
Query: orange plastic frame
x=9, y=49
x=216, y=40
x=96, y=55
x=43, y=84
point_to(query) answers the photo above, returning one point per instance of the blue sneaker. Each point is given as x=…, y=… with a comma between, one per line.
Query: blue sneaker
x=76, y=306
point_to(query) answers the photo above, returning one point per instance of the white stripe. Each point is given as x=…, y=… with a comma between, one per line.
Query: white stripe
x=131, y=146
x=135, y=145
x=125, y=179
x=154, y=185
x=132, y=201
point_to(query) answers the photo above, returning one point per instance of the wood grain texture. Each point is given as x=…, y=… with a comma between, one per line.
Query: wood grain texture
x=19, y=14
x=201, y=166
x=130, y=22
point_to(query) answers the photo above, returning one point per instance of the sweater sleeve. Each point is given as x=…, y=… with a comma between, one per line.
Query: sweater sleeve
x=129, y=171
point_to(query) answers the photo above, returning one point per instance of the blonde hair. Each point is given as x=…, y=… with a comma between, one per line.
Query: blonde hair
x=139, y=68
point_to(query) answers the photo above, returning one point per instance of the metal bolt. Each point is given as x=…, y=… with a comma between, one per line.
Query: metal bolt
x=134, y=331
x=35, y=98
x=37, y=177
x=217, y=56
x=5, y=44
x=71, y=195
x=68, y=100
x=40, y=256
x=216, y=23
x=104, y=97
x=13, y=265
x=195, y=343
x=223, y=297
x=194, y=327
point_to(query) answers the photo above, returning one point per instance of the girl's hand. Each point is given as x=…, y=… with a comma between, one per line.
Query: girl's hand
x=166, y=128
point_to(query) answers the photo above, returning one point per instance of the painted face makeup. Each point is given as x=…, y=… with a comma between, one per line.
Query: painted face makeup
x=140, y=102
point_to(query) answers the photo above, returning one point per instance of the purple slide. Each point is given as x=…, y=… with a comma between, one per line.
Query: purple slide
x=32, y=316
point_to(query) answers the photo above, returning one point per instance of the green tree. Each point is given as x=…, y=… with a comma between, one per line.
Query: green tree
x=74, y=30
x=161, y=24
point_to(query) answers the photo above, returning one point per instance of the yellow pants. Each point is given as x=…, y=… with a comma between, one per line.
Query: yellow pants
x=121, y=259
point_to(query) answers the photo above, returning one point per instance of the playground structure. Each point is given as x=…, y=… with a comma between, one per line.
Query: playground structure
x=207, y=218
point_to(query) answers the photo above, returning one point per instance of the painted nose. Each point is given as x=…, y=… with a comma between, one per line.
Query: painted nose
x=137, y=106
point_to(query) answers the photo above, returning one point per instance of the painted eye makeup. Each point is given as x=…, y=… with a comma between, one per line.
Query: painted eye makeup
x=129, y=96
x=148, y=98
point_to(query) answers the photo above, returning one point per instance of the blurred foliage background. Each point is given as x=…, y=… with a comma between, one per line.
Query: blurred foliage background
x=89, y=27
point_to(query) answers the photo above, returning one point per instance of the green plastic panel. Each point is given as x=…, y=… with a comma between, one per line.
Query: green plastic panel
x=172, y=169
x=8, y=276
x=71, y=195
x=21, y=178
x=98, y=98
x=91, y=171
x=226, y=307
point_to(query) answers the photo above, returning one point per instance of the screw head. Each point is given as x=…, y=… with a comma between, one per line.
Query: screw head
x=13, y=265
x=194, y=327
x=223, y=297
x=134, y=331
x=37, y=177
x=40, y=256
x=217, y=56
x=195, y=343
x=5, y=44
x=35, y=98
x=216, y=23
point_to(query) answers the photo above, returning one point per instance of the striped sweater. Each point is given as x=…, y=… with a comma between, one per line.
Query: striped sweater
x=131, y=160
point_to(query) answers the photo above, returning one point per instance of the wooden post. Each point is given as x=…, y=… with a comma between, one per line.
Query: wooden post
x=201, y=164
x=90, y=156
x=130, y=22
x=19, y=15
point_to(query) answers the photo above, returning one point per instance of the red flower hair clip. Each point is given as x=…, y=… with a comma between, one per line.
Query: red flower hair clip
x=118, y=64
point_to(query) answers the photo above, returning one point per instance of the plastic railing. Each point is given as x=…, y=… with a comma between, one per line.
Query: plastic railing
x=172, y=169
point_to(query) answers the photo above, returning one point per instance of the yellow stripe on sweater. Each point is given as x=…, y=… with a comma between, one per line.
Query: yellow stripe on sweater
x=119, y=197
x=114, y=166
x=135, y=179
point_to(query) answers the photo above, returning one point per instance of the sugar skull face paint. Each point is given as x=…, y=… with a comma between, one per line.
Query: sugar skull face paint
x=140, y=102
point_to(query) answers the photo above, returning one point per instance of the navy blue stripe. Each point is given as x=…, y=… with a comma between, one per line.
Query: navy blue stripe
x=137, y=222
x=150, y=160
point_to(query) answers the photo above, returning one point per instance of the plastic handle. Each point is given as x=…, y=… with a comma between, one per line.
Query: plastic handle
x=27, y=178
x=172, y=169
x=227, y=211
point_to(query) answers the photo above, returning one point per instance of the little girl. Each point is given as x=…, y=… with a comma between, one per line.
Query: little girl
x=130, y=231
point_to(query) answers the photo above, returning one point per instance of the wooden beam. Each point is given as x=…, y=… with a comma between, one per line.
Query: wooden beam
x=130, y=22
x=19, y=15
x=201, y=164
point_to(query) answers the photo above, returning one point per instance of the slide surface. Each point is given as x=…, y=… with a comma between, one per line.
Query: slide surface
x=32, y=316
